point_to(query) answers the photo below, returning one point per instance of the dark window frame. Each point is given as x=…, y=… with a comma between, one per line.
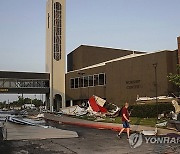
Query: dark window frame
x=72, y=87
x=85, y=78
x=92, y=85
x=81, y=82
x=103, y=83
x=76, y=86
x=96, y=84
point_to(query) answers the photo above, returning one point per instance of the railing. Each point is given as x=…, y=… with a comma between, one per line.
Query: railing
x=20, y=83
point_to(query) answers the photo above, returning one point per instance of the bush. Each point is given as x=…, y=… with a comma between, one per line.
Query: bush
x=150, y=110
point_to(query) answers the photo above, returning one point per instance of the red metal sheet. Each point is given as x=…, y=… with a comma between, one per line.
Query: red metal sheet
x=95, y=107
x=93, y=104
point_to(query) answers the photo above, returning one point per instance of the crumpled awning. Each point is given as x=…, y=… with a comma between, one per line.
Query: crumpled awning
x=96, y=104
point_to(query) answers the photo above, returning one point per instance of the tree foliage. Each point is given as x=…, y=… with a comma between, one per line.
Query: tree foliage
x=20, y=102
x=175, y=78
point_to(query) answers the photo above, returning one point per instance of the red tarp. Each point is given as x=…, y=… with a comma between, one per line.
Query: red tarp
x=95, y=107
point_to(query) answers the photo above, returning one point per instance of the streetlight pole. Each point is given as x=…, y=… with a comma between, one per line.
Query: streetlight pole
x=156, y=88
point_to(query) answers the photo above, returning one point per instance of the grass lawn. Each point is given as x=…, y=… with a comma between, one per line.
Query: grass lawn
x=134, y=120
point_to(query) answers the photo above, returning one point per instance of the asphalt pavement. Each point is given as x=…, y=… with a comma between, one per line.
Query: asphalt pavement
x=89, y=141
x=63, y=119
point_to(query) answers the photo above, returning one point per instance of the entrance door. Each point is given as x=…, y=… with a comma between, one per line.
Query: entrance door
x=57, y=102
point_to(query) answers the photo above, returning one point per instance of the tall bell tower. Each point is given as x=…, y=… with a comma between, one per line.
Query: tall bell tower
x=55, y=52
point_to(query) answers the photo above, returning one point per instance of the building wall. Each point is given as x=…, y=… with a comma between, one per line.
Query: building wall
x=84, y=93
x=85, y=56
x=136, y=76
x=125, y=79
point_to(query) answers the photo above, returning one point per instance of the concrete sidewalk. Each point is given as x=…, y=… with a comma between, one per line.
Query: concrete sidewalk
x=22, y=132
x=100, y=125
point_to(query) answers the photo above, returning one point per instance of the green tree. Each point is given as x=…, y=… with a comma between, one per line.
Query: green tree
x=175, y=78
x=37, y=102
x=20, y=101
x=15, y=103
x=27, y=101
x=4, y=104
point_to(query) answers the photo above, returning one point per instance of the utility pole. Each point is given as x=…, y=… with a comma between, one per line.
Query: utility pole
x=156, y=88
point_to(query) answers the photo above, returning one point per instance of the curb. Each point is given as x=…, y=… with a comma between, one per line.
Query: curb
x=96, y=126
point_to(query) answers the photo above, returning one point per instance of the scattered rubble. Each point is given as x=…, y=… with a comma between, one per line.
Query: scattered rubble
x=99, y=119
x=74, y=110
x=97, y=107
x=176, y=106
x=160, y=99
x=102, y=108
x=149, y=132
x=175, y=122
x=162, y=124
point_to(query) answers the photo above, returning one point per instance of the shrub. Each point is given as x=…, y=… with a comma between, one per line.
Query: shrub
x=150, y=110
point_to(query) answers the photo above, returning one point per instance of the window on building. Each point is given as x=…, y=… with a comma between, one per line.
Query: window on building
x=81, y=82
x=48, y=19
x=72, y=83
x=76, y=82
x=57, y=31
x=85, y=81
x=90, y=83
x=96, y=80
x=101, y=79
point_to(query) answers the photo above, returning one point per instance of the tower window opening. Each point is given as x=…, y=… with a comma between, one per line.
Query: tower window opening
x=48, y=20
x=57, y=31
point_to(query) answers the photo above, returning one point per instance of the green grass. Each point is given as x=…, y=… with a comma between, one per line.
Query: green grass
x=134, y=120
x=144, y=121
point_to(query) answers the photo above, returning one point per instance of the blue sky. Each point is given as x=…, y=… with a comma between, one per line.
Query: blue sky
x=145, y=25
x=128, y=24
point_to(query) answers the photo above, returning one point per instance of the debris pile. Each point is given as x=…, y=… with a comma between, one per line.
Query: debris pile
x=74, y=110
x=97, y=107
x=172, y=119
x=150, y=132
x=160, y=99
x=100, y=107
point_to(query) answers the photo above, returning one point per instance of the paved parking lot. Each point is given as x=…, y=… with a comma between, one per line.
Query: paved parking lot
x=89, y=141
x=19, y=132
